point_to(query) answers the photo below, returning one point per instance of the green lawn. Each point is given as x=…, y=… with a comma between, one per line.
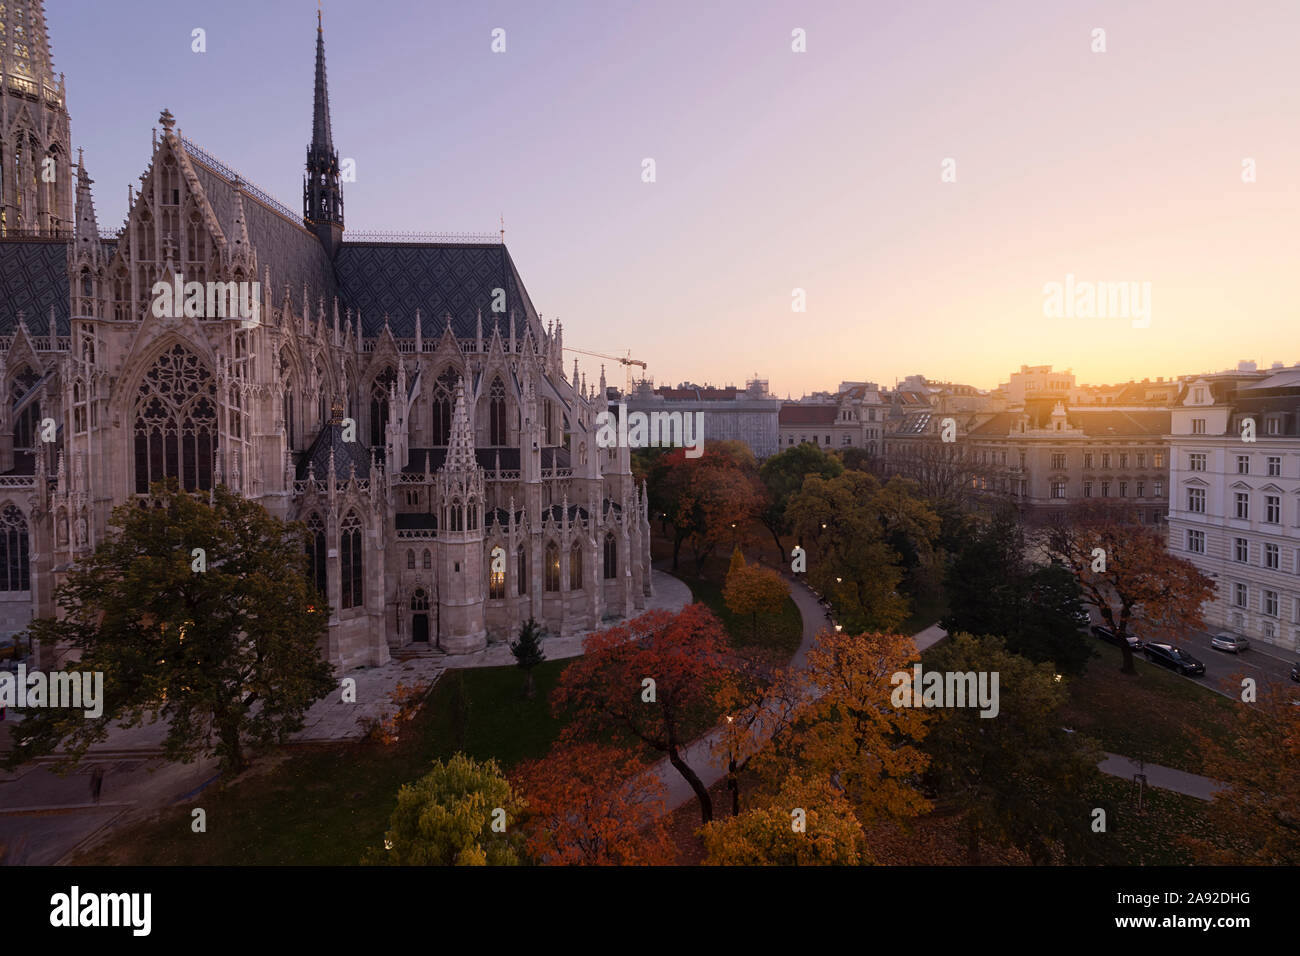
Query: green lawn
x=1148, y=716
x=779, y=633
x=1151, y=836
x=325, y=804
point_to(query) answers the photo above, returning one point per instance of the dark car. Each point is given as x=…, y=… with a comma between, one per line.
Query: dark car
x=1295, y=672
x=1107, y=635
x=1174, y=658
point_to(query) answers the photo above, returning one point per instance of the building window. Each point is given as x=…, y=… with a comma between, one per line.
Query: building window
x=1141, y=489
x=1022, y=461
x=428, y=559
x=1157, y=489
x=316, y=553
x=1058, y=489
x=846, y=439
x=1123, y=489
x=1274, y=466
x=379, y=405
x=444, y=391
x=1196, y=542
x=552, y=582
x=1270, y=630
x=1196, y=500
x=1123, y=459
x=1273, y=426
x=611, y=557
x=1272, y=557
x=1240, y=595
x=1270, y=603
x=1105, y=459
x=497, y=413
x=1058, y=461
x=455, y=516
x=410, y=560
x=1157, y=459
x=1105, y=489
x=1272, y=509
x=1198, y=426
x=350, y=561
x=1142, y=459
x=521, y=570
x=575, y=566
x=1087, y=459
x=1196, y=461
x=496, y=580
x=1243, y=464
x=412, y=497
x=15, y=571
x=176, y=423
x=1087, y=489
x=1240, y=550
x=1242, y=500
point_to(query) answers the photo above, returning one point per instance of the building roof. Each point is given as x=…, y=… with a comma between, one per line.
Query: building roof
x=1095, y=422
x=796, y=414
x=439, y=279
x=34, y=277
x=350, y=457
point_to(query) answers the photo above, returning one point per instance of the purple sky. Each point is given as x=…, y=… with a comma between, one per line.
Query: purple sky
x=775, y=170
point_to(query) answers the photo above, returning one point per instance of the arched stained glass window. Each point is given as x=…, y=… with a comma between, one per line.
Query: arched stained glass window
x=176, y=422
x=350, y=561
x=316, y=553
x=15, y=574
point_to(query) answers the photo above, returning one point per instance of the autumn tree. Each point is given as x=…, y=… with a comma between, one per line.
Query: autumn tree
x=461, y=813
x=1016, y=776
x=198, y=613
x=807, y=823
x=528, y=652
x=783, y=476
x=1256, y=816
x=839, y=524
x=593, y=805
x=648, y=682
x=848, y=731
x=1129, y=575
x=708, y=499
x=759, y=702
x=753, y=590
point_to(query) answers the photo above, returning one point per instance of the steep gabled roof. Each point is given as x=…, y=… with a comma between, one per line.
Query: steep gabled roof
x=439, y=279
x=807, y=414
x=33, y=277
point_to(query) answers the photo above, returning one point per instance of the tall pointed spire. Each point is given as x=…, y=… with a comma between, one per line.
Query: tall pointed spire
x=460, y=447
x=322, y=195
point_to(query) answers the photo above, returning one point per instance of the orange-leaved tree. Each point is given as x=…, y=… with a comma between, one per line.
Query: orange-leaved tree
x=752, y=590
x=593, y=805
x=650, y=681
x=1130, y=576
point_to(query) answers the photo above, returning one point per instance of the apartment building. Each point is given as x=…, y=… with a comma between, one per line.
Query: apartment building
x=854, y=417
x=1234, y=506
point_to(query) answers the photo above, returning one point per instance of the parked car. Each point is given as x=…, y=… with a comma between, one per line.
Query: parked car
x=1174, y=658
x=1107, y=635
x=1295, y=672
x=1229, y=641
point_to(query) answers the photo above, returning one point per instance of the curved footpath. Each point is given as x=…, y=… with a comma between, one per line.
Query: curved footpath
x=711, y=768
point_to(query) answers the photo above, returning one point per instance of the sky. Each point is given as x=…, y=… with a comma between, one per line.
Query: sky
x=774, y=170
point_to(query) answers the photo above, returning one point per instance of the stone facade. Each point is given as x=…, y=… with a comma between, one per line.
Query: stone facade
x=450, y=482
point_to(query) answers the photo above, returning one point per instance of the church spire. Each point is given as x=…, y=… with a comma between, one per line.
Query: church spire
x=460, y=448
x=322, y=195
x=87, y=227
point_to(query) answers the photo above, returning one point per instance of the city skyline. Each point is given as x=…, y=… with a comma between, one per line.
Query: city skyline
x=1134, y=173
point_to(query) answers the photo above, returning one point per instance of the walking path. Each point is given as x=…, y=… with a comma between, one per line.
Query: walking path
x=1166, y=778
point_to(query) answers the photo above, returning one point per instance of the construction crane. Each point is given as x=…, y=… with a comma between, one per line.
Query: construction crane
x=627, y=361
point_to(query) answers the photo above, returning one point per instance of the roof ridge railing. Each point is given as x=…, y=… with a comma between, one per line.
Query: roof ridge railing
x=251, y=189
x=389, y=235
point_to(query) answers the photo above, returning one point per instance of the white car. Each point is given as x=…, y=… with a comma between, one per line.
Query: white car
x=1228, y=641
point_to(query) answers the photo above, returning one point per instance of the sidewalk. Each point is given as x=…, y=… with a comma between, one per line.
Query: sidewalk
x=1166, y=778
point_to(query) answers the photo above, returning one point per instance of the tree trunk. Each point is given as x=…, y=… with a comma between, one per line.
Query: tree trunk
x=529, y=691
x=1127, y=651
x=780, y=548
x=734, y=786
x=697, y=785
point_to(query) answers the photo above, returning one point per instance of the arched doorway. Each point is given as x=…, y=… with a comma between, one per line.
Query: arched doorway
x=419, y=617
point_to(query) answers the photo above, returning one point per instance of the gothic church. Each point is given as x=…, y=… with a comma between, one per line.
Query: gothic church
x=469, y=443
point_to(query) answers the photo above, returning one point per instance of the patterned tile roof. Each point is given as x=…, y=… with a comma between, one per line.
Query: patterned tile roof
x=439, y=279
x=33, y=277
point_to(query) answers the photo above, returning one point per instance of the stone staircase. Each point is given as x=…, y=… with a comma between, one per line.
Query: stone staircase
x=418, y=651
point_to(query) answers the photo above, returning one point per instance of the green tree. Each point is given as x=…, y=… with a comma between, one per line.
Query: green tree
x=993, y=588
x=1018, y=777
x=528, y=652
x=843, y=523
x=461, y=813
x=783, y=476
x=222, y=641
x=753, y=591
